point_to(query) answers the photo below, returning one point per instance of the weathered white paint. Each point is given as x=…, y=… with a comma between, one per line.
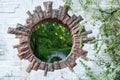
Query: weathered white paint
x=11, y=67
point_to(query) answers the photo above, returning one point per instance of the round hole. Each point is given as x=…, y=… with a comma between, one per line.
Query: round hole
x=51, y=38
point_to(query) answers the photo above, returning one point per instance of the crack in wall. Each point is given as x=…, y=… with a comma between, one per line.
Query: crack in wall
x=4, y=9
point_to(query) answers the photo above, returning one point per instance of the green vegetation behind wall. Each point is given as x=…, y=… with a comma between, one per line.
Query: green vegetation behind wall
x=48, y=37
x=109, y=16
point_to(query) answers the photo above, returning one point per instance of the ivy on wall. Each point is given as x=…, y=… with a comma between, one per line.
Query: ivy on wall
x=109, y=16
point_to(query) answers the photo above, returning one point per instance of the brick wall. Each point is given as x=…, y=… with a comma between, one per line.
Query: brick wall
x=11, y=67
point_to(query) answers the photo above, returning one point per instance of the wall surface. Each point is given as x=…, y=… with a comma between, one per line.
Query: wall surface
x=11, y=67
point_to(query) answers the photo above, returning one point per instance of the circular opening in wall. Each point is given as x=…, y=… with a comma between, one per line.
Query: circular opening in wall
x=51, y=42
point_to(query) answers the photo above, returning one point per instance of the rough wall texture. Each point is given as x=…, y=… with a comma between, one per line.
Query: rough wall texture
x=11, y=67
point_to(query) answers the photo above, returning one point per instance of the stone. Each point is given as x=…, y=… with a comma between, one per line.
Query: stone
x=22, y=28
x=24, y=39
x=71, y=61
x=62, y=64
x=18, y=36
x=23, y=48
x=54, y=14
x=76, y=40
x=48, y=9
x=20, y=45
x=24, y=53
x=79, y=52
x=16, y=32
x=31, y=66
x=69, y=66
x=29, y=14
x=42, y=65
x=66, y=19
x=29, y=22
x=50, y=67
x=75, y=27
x=22, y=56
x=46, y=70
x=30, y=58
x=63, y=13
x=32, y=20
x=56, y=65
x=59, y=13
x=86, y=39
x=36, y=16
x=40, y=12
x=86, y=32
x=73, y=55
x=74, y=17
x=75, y=31
x=75, y=22
x=36, y=65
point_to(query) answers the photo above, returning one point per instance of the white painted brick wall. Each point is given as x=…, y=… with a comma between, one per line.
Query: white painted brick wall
x=11, y=67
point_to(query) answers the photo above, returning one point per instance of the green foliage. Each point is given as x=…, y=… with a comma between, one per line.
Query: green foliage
x=55, y=59
x=109, y=34
x=85, y=4
x=80, y=32
x=89, y=72
x=67, y=4
x=110, y=31
x=48, y=37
